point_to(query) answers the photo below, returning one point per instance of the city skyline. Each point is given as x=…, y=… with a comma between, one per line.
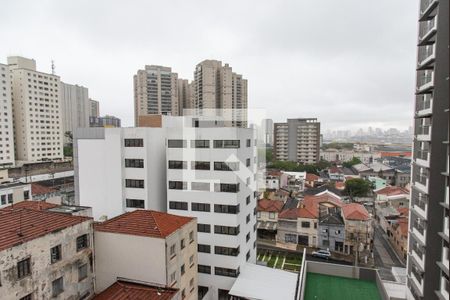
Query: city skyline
x=381, y=60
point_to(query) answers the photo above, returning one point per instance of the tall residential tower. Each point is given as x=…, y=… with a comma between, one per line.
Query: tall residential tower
x=6, y=119
x=428, y=262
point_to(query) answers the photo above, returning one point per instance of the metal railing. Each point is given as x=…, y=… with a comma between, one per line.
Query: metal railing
x=426, y=26
x=424, y=5
x=420, y=200
x=419, y=226
x=424, y=77
x=422, y=154
x=423, y=102
x=423, y=129
x=425, y=52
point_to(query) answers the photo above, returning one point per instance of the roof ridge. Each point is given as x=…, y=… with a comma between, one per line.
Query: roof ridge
x=158, y=228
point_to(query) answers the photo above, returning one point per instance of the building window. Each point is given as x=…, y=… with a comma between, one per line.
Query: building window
x=134, y=183
x=200, y=207
x=290, y=238
x=82, y=272
x=24, y=268
x=134, y=163
x=178, y=205
x=10, y=198
x=249, y=143
x=271, y=215
x=204, y=269
x=176, y=143
x=177, y=164
x=247, y=219
x=247, y=237
x=226, y=251
x=26, y=195
x=306, y=225
x=82, y=242
x=134, y=143
x=191, y=261
x=134, y=203
x=204, y=248
x=55, y=254
x=247, y=162
x=57, y=286
x=173, y=278
x=247, y=256
x=226, y=209
x=177, y=185
x=228, y=230
x=203, y=227
x=200, y=165
x=200, y=186
x=226, y=166
x=183, y=269
x=226, y=143
x=182, y=244
x=191, y=237
x=172, y=251
x=226, y=272
x=247, y=200
x=199, y=143
x=226, y=187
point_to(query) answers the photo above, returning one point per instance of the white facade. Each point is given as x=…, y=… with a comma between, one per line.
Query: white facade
x=101, y=173
x=75, y=107
x=14, y=192
x=6, y=119
x=203, y=192
x=94, y=108
x=37, y=111
x=347, y=155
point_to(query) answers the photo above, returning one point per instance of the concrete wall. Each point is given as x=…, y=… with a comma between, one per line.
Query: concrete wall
x=39, y=283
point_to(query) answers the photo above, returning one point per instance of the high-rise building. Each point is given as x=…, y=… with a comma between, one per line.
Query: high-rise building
x=106, y=121
x=155, y=92
x=6, y=119
x=94, y=108
x=75, y=108
x=211, y=176
x=428, y=260
x=267, y=130
x=217, y=87
x=38, y=128
x=185, y=95
x=297, y=140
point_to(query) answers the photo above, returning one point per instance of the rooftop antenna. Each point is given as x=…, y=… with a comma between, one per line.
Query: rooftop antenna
x=53, y=67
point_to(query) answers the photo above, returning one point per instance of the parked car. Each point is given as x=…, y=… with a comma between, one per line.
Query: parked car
x=322, y=254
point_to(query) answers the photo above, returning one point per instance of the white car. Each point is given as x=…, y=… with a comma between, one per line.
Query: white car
x=322, y=254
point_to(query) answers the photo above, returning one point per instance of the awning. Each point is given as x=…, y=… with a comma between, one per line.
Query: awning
x=266, y=225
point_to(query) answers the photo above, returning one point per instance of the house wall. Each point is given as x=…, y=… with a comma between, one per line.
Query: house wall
x=311, y=232
x=331, y=233
x=43, y=272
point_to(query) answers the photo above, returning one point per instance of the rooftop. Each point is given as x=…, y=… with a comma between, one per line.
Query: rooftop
x=320, y=286
x=38, y=189
x=122, y=290
x=34, y=205
x=355, y=211
x=20, y=225
x=270, y=205
x=144, y=223
x=392, y=191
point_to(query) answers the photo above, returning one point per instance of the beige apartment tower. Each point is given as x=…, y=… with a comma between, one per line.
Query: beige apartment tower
x=217, y=87
x=297, y=140
x=6, y=119
x=155, y=92
x=36, y=96
x=94, y=108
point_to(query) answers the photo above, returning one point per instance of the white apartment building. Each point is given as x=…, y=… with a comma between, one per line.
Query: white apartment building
x=211, y=176
x=120, y=169
x=333, y=155
x=94, y=108
x=163, y=243
x=155, y=92
x=6, y=119
x=75, y=107
x=14, y=192
x=38, y=128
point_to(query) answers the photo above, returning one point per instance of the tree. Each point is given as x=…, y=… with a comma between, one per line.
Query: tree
x=352, y=162
x=68, y=148
x=357, y=187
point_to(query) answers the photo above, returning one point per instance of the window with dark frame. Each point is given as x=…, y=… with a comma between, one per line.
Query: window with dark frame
x=177, y=164
x=226, y=143
x=179, y=205
x=134, y=163
x=23, y=268
x=200, y=165
x=57, y=286
x=177, y=185
x=226, y=187
x=226, y=251
x=203, y=227
x=203, y=248
x=134, y=143
x=134, y=183
x=134, y=203
x=249, y=143
x=226, y=272
x=176, y=143
x=228, y=230
x=82, y=242
x=199, y=143
x=200, y=207
x=55, y=254
x=82, y=272
x=204, y=269
x=226, y=166
x=226, y=209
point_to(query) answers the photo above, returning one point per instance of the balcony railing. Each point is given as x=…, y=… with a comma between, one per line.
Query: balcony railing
x=426, y=27
x=420, y=200
x=418, y=249
x=420, y=226
x=423, y=130
x=424, y=77
x=417, y=274
x=424, y=53
x=424, y=6
x=422, y=154
x=422, y=178
x=423, y=102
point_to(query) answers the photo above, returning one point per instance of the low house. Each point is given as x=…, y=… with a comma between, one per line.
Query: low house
x=394, y=195
x=311, y=180
x=336, y=174
x=267, y=217
x=45, y=255
x=14, y=192
x=123, y=289
x=399, y=233
x=293, y=181
x=331, y=230
x=45, y=193
x=358, y=228
x=160, y=249
x=392, y=175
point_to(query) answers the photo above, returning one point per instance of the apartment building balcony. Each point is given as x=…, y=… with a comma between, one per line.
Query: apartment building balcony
x=416, y=277
x=418, y=253
x=425, y=81
x=420, y=203
x=443, y=292
x=422, y=158
x=423, y=132
x=427, y=31
x=424, y=105
x=420, y=179
x=426, y=8
x=419, y=230
x=426, y=57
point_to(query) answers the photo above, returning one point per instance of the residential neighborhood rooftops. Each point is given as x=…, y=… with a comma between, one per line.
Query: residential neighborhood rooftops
x=392, y=191
x=38, y=189
x=20, y=225
x=31, y=204
x=312, y=177
x=268, y=205
x=355, y=211
x=144, y=223
x=122, y=290
x=373, y=167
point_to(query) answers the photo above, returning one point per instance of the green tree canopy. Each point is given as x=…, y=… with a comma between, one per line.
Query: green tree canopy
x=354, y=161
x=357, y=187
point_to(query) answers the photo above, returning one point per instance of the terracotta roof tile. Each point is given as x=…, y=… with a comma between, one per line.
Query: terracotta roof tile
x=20, y=225
x=37, y=189
x=392, y=191
x=339, y=185
x=270, y=205
x=335, y=170
x=355, y=211
x=144, y=223
x=312, y=177
x=398, y=154
x=122, y=290
x=32, y=204
x=290, y=213
x=309, y=207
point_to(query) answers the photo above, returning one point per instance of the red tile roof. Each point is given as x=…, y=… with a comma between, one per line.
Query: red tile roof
x=122, y=290
x=31, y=204
x=144, y=223
x=355, y=211
x=270, y=205
x=20, y=225
x=404, y=211
x=290, y=213
x=275, y=173
x=312, y=177
x=398, y=154
x=392, y=191
x=309, y=207
x=339, y=185
x=335, y=170
x=37, y=189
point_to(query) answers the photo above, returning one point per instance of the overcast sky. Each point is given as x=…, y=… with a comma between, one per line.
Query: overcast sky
x=349, y=63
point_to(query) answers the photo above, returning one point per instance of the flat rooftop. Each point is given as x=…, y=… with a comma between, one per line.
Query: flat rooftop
x=322, y=287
